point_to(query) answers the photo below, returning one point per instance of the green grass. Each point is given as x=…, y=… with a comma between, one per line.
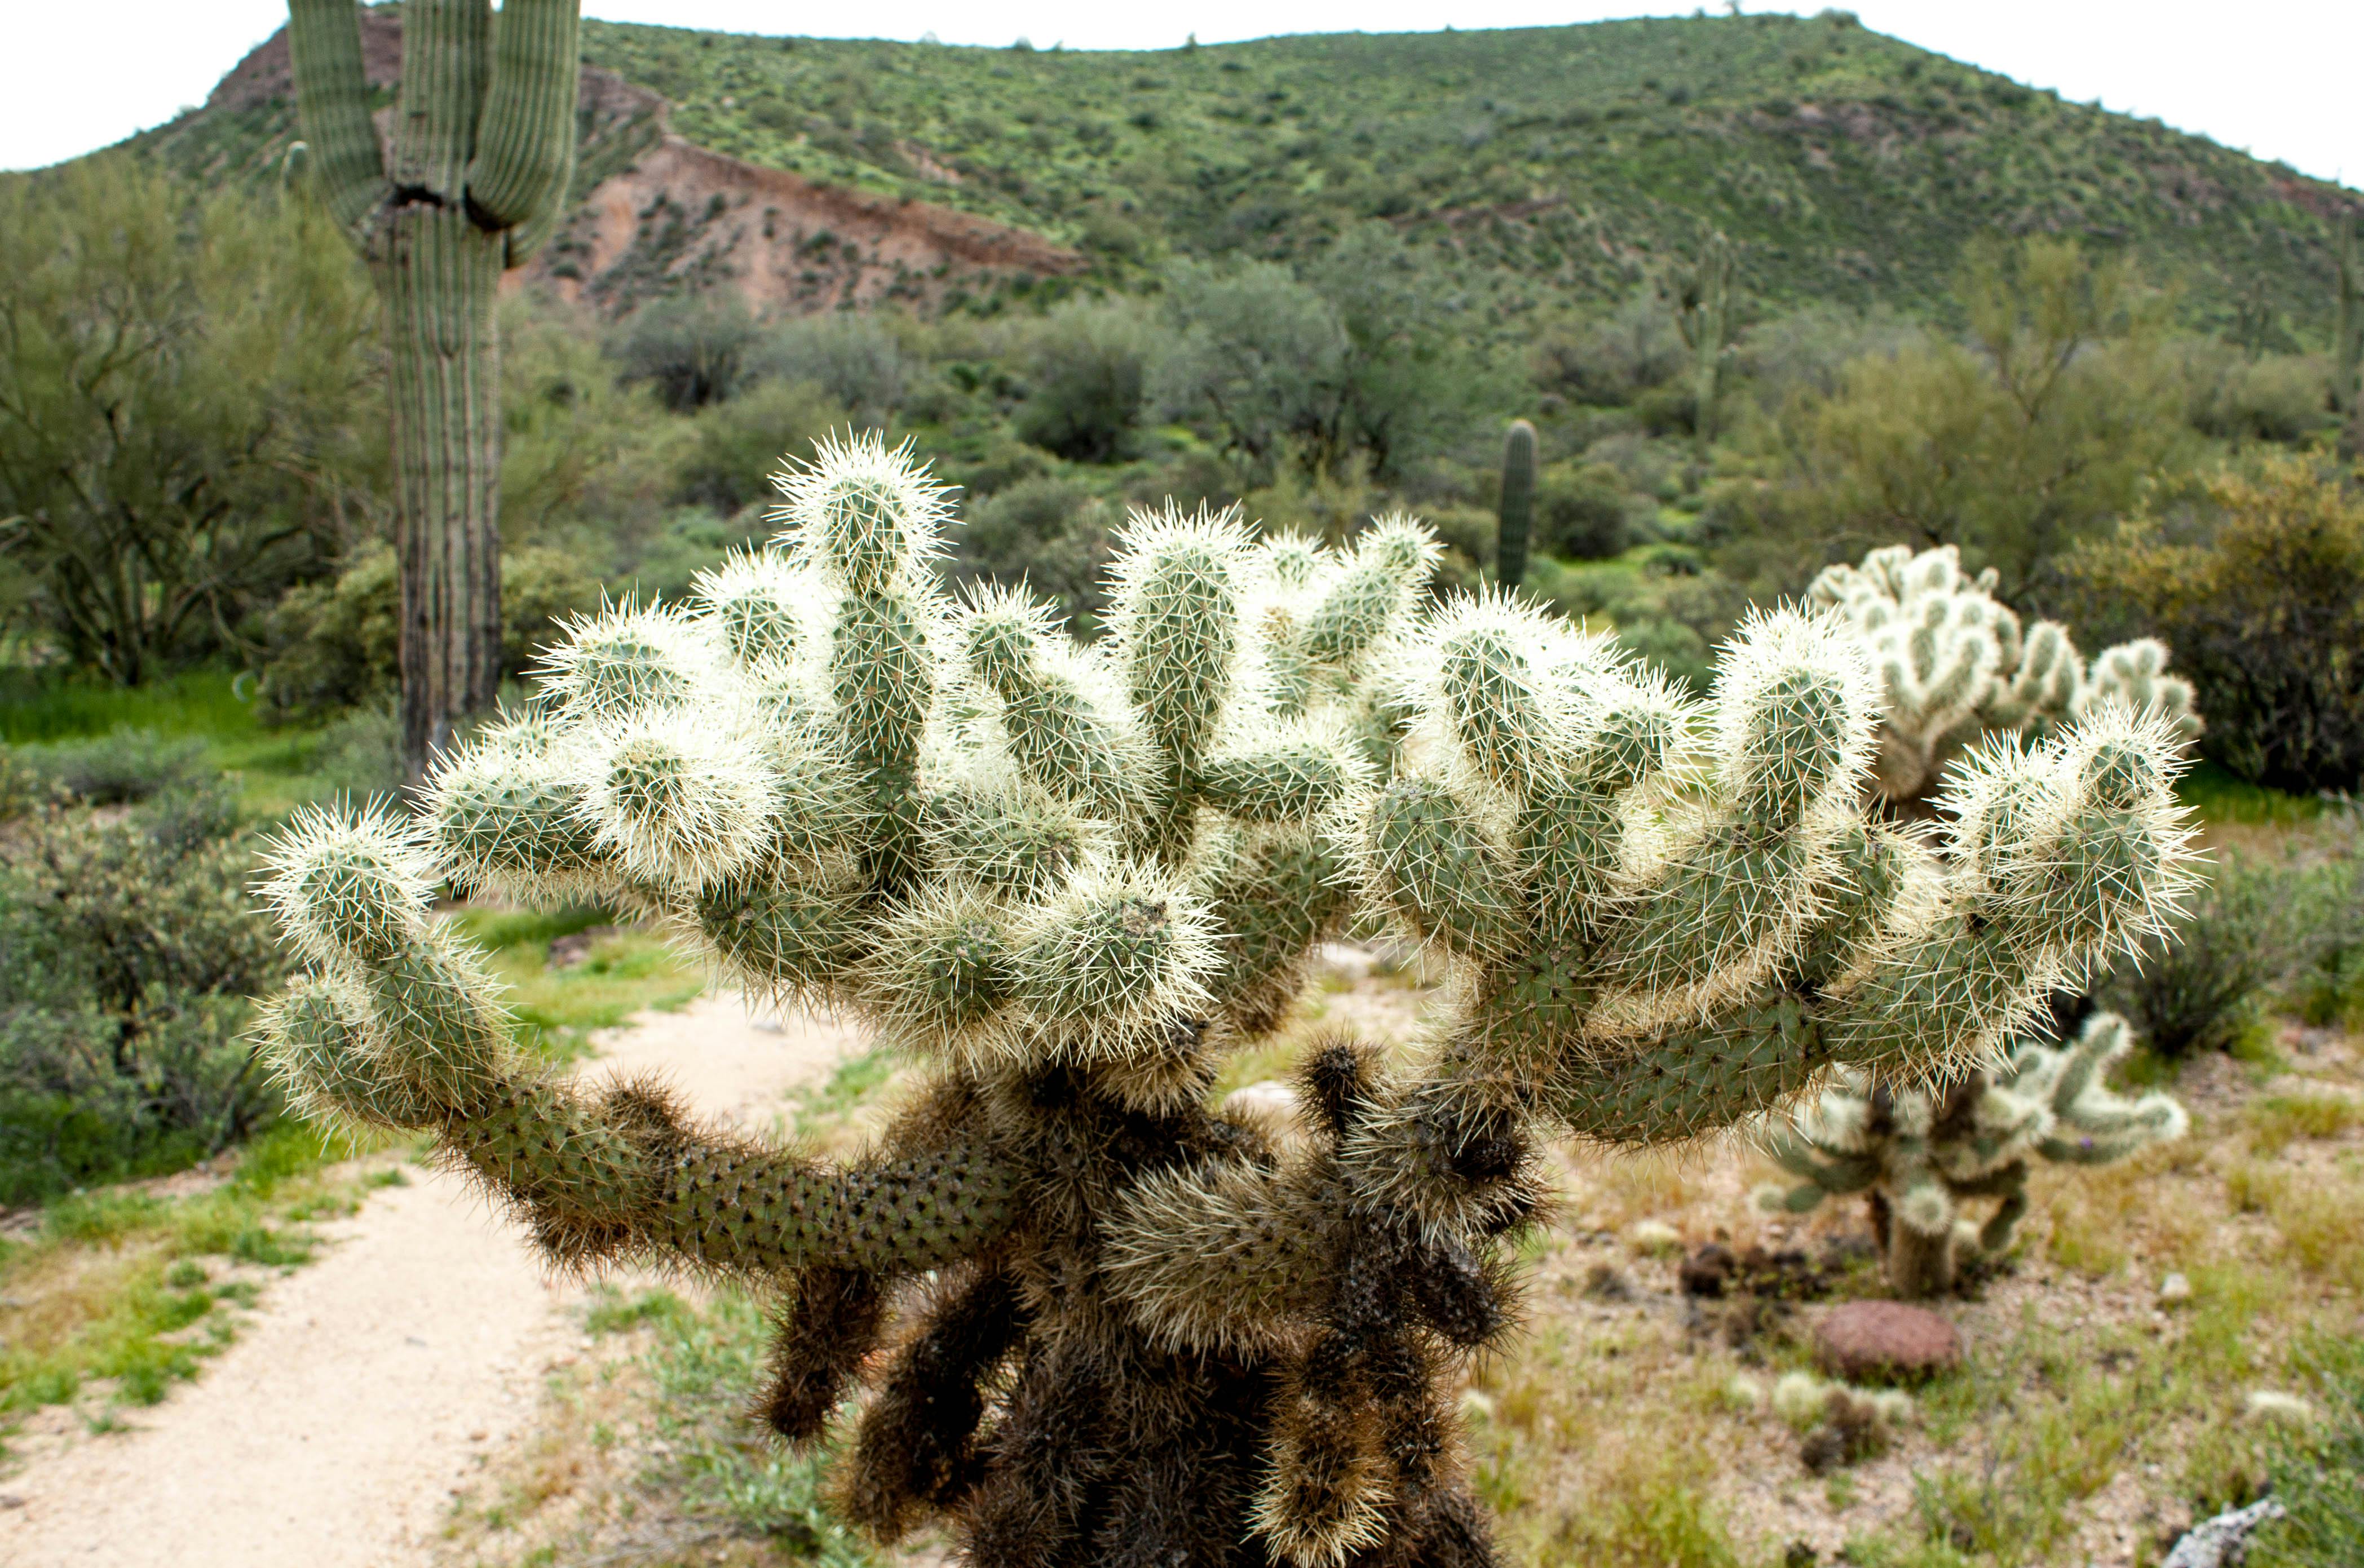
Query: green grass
x=279, y=769
x=2218, y=797
x=128, y=1287
x=559, y=1009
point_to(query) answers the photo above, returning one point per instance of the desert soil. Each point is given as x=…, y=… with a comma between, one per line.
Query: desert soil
x=368, y=1386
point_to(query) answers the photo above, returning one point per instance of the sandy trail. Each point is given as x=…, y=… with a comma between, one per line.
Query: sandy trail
x=332, y=1433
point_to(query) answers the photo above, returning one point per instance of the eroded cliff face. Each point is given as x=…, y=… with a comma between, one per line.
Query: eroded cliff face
x=654, y=212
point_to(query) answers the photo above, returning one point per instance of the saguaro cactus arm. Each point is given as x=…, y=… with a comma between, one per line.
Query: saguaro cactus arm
x=324, y=44
x=1516, y=515
x=525, y=136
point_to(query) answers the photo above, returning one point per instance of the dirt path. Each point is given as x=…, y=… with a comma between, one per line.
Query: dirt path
x=332, y=1433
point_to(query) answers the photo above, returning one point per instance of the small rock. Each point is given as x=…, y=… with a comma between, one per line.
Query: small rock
x=571, y=948
x=2223, y=1542
x=10, y=1500
x=476, y=1437
x=1871, y=1339
x=1653, y=1236
x=2174, y=1288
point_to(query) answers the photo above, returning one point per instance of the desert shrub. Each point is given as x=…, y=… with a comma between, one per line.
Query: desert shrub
x=1580, y=512
x=2261, y=596
x=128, y=949
x=1052, y=533
x=856, y=360
x=1087, y=376
x=692, y=348
x=1612, y=359
x=334, y=645
x=737, y=444
x=2193, y=989
x=2316, y=1469
x=2267, y=398
x=126, y=766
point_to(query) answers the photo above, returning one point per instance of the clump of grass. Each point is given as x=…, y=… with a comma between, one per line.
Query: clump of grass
x=2279, y=1120
x=2317, y=1471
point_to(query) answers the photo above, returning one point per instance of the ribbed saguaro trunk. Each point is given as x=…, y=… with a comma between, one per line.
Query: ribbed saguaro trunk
x=1514, y=514
x=482, y=146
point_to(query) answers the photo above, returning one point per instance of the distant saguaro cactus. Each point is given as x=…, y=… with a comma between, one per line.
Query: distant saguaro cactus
x=482, y=148
x=1707, y=314
x=1918, y=1154
x=1066, y=879
x=1516, y=514
x=1954, y=665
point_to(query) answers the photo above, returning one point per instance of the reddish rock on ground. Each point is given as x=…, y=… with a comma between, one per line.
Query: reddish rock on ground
x=1865, y=1341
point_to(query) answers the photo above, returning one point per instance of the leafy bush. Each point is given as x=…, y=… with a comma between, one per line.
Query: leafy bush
x=128, y=949
x=2195, y=988
x=692, y=348
x=1052, y=533
x=1087, y=371
x=738, y=443
x=856, y=360
x=1580, y=512
x=126, y=766
x=336, y=644
x=2263, y=599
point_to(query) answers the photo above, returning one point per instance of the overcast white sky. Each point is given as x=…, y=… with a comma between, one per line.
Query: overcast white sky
x=2275, y=77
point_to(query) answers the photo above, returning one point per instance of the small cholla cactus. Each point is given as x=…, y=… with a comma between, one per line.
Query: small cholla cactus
x=1919, y=1154
x=1065, y=880
x=1954, y=665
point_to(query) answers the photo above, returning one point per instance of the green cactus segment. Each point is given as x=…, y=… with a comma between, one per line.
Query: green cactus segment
x=1177, y=616
x=788, y=940
x=1296, y=780
x=332, y=108
x=502, y=824
x=1956, y=666
x=523, y=155
x=1921, y=1154
x=1273, y=896
x=1686, y=1084
x=1515, y=523
x=880, y=668
x=1058, y=734
x=1432, y=868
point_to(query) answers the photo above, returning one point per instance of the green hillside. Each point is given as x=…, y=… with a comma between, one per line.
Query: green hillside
x=1541, y=163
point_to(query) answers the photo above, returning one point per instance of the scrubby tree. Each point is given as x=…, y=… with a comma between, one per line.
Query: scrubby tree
x=2261, y=592
x=2039, y=430
x=180, y=385
x=1069, y=881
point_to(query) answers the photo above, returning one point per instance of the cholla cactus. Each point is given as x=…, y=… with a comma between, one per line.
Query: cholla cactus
x=1920, y=1154
x=1068, y=879
x=1954, y=664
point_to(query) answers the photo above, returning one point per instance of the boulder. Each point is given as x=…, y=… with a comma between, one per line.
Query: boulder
x=1870, y=1341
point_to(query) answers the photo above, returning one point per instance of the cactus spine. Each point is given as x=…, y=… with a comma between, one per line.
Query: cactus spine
x=1919, y=1154
x=1954, y=665
x=1068, y=879
x=1515, y=528
x=481, y=151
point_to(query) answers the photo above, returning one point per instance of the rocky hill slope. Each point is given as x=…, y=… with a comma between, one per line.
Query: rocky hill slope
x=1535, y=167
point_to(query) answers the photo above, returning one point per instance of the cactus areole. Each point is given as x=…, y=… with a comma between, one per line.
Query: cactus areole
x=1067, y=881
x=481, y=148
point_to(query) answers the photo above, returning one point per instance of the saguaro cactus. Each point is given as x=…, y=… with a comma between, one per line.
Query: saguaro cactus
x=1516, y=514
x=1918, y=1154
x=1069, y=879
x=1954, y=665
x=483, y=147
x=1707, y=315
